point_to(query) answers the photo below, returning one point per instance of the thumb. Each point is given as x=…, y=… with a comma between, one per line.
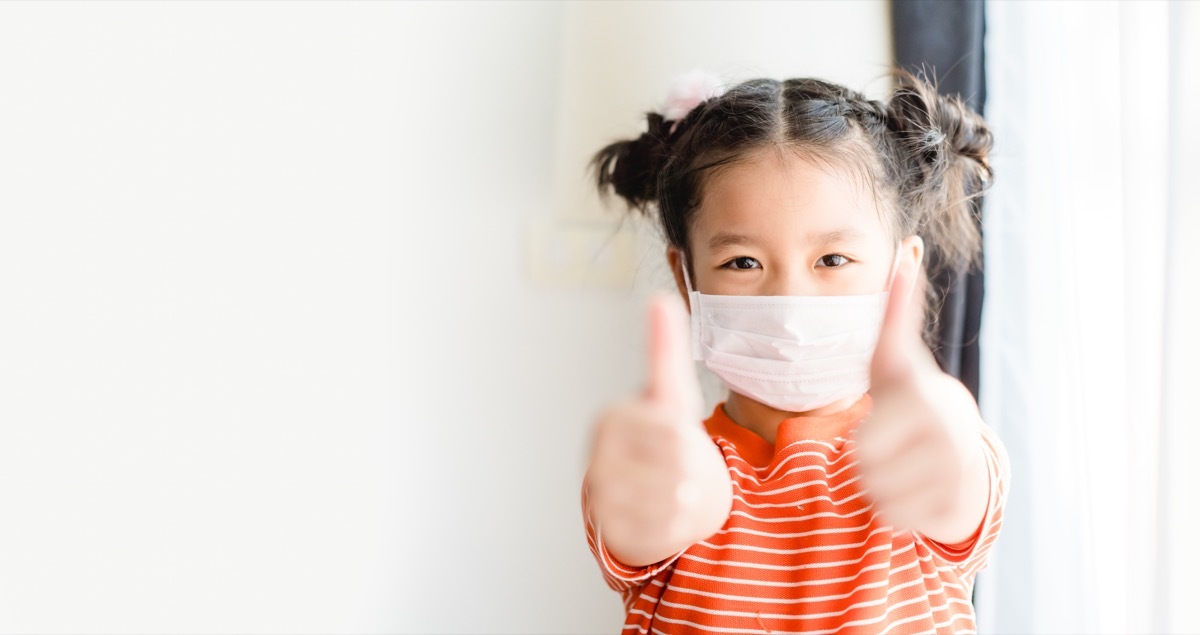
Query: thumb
x=895, y=351
x=672, y=378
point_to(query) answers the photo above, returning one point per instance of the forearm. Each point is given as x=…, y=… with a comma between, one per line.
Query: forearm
x=965, y=515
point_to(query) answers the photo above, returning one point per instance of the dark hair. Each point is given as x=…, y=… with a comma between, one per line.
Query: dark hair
x=923, y=155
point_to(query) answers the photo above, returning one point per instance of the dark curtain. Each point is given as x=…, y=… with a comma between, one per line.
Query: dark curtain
x=945, y=38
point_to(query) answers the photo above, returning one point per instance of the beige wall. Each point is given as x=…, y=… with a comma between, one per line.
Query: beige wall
x=582, y=75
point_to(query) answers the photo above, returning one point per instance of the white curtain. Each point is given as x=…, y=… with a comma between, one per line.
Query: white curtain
x=1092, y=236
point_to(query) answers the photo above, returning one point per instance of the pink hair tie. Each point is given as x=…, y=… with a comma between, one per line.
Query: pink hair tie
x=688, y=91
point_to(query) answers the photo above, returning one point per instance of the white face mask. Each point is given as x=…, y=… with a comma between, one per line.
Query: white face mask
x=792, y=353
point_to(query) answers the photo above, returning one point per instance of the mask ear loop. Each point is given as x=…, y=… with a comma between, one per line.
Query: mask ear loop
x=687, y=280
x=694, y=302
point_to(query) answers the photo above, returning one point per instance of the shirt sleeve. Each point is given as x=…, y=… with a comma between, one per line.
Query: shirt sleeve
x=619, y=576
x=971, y=556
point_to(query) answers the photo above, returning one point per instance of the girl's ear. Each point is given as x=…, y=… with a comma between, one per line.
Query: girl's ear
x=675, y=262
x=913, y=247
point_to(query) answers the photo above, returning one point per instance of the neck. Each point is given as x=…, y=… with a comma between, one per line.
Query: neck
x=764, y=420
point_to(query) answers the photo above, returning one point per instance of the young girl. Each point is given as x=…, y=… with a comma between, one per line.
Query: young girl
x=797, y=216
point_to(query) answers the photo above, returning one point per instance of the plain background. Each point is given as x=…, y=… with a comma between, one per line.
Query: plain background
x=273, y=354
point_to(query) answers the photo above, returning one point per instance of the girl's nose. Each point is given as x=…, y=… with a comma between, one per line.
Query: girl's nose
x=791, y=281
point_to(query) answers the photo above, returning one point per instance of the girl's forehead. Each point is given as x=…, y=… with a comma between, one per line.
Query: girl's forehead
x=772, y=192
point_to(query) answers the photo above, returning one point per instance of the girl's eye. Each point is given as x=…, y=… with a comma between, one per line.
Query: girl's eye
x=743, y=262
x=833, y=261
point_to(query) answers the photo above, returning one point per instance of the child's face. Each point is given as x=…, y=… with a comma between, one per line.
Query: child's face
x=778, y=224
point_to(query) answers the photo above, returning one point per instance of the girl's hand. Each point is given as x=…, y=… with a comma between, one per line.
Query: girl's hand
x=920, y=450
x=658, y=483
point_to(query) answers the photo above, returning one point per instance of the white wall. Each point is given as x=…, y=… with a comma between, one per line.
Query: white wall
x=272, y=356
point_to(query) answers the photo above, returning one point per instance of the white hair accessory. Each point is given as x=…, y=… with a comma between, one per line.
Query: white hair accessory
x=688, y=91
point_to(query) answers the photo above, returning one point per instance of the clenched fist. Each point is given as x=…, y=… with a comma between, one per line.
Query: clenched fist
x=657, y=482
x=920, y=450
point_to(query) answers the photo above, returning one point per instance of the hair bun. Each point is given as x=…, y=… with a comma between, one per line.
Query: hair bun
x=947, y=146
x=631, y=167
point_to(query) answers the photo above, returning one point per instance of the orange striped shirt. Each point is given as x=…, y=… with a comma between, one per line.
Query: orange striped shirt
x=803, y=550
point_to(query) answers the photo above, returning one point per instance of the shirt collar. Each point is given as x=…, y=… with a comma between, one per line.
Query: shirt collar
x=759, y=452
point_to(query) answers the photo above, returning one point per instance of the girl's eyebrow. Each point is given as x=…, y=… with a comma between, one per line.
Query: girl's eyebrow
x=837, y=235
x=726, y=239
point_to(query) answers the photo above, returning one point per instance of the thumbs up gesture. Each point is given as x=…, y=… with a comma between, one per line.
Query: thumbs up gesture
x=657, y=481
x=920, y=450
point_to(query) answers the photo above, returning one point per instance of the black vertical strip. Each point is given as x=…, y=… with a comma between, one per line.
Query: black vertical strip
x=945, y=38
